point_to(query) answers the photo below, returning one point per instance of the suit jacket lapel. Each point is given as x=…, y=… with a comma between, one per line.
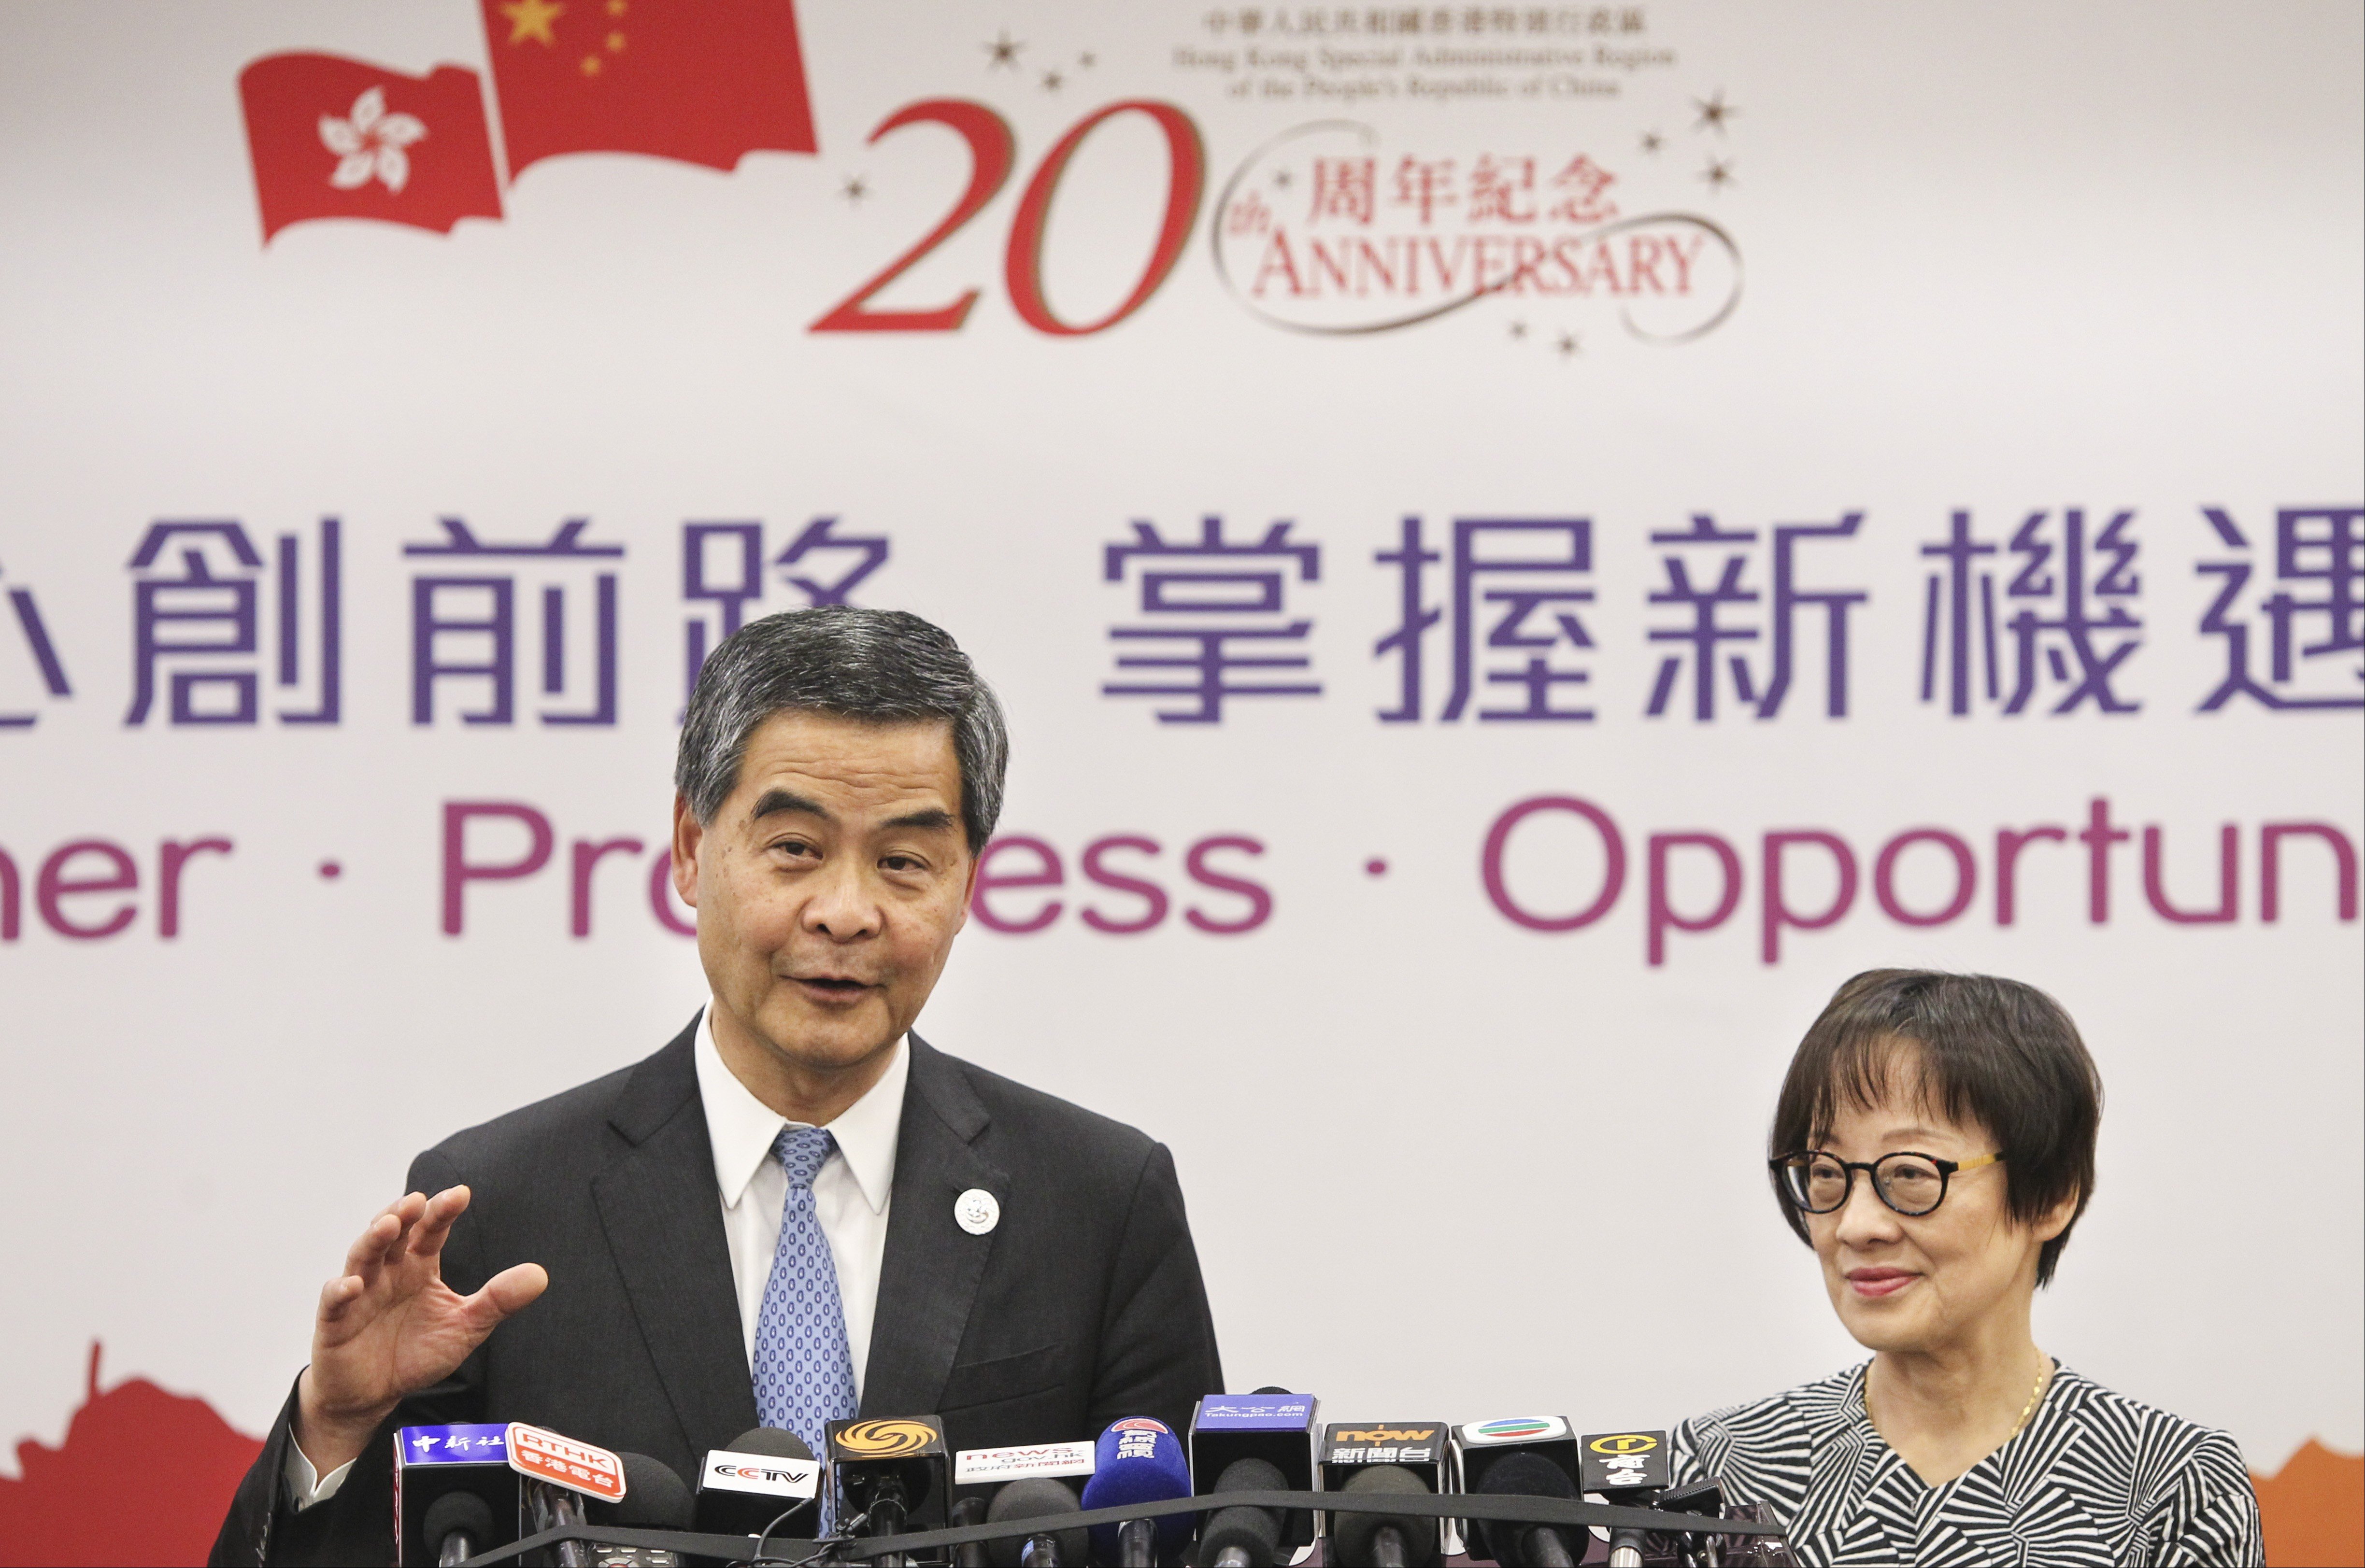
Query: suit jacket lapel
x=663, y=1217
x=933, y=1267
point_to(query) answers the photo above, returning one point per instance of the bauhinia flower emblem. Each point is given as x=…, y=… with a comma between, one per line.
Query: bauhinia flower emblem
x=369, y=145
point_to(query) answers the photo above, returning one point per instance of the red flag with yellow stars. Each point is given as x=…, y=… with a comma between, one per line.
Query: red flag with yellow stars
x=703, y=81
x=336, y=138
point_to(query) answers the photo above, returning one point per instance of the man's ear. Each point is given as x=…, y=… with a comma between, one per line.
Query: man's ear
x=687, y=834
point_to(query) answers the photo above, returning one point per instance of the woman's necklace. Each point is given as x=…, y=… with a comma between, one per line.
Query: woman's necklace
x=2044, y=1371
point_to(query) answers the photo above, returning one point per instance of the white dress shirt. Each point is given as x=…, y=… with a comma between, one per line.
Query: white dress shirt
x=850, y=1197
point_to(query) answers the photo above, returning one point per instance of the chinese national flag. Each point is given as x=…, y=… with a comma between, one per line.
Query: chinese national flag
x=703, y=81
x=336, y=138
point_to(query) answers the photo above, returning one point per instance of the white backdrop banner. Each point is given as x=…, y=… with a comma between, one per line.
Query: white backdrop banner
x=1522, y=545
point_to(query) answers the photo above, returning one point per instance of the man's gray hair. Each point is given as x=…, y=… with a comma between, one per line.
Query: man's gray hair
x=888, y=667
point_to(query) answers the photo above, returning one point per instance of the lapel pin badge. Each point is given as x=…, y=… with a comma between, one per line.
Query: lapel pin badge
x=977, y=1211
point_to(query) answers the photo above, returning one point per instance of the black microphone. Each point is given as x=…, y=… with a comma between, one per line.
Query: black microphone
x=458, y=1525
x=1273, y=1425
x=890, y=1475
x=432, y=1464
x=1036, y=1497
x=969, y=1510
x=655, y=1498
x=1385, y=1540
x=746, y=1488
x=1242, y=1536
x=1631, y=1469
x=1522, y=1474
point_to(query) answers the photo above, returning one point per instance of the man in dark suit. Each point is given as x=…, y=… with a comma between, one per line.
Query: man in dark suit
x=797, y=1210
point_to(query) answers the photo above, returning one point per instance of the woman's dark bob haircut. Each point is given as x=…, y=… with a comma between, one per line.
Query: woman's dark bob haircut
x=1982, y=1052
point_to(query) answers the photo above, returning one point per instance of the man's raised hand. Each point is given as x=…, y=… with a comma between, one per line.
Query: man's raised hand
x=389, y=1326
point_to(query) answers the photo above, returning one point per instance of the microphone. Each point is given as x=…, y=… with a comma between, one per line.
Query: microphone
x=969, y=1510
x=1385, y=1541
x=458, y=1526
x=765, y=1472
x=1632, y=1469
x=1481, y=1445
x=1524, y=1474
x=1036, y=1498
x=1138, y=1459
x=560, y=1475
x=889, y=1474
x=655, y=1498
x=432, y=1464
x=1242, y=1536
x=1416, y=1449
x=1273, y=1426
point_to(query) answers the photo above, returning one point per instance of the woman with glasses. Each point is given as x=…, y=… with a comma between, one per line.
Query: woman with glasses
x=1934, y=1144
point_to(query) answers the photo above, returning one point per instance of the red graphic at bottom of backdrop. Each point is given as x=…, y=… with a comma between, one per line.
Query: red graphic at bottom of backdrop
x=337, y=137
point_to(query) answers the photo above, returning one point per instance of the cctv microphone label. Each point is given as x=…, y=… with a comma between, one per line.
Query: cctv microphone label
x=542, y=1455
x=1619, y=1461
x=766, y=1474
x=981, y=1465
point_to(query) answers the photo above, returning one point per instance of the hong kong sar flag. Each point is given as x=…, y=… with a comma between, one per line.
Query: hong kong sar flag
x=336, y=138
x=703, y=81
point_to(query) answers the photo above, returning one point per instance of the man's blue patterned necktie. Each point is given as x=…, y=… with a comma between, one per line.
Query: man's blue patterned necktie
x=804, y=1374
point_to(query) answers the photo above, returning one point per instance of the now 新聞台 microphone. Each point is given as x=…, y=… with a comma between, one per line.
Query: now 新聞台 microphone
x=747, y=1489
x=1138, y=1459
x=1036, y=1497
x=1385, y=1540
x=1244, y=1536
x=1527, y=1474
x=1416, y=1450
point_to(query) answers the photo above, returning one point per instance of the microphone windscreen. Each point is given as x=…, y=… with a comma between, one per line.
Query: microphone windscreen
x=1351, y=1534
x=772, y=1443
x=1138, y=1459
x=1252, y=1475
x=1526, y=1474
x=462, y=1511
x=1521, y=1473
x=655, y=1498
x=1036, y=1497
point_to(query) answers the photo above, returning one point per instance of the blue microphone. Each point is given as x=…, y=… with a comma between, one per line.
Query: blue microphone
x=1138, y=1459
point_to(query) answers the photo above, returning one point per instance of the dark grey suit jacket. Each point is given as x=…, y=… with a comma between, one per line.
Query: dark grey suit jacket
x=1084, y=1305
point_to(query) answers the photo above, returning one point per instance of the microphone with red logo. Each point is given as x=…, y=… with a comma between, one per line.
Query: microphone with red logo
x=767, y=1482
x=1138, y=1459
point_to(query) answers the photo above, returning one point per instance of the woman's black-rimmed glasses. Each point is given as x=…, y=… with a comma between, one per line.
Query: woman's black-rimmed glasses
x=1910, y=1183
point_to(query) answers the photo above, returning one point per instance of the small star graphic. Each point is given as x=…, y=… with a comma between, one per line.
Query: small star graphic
x=1519, y=329
x=1717, y=175
x=1003, y=50
x=1713, y=111
x=1653, y=141
x=590, y=66
x=853, y=190
x=1087, y=60
x=1568, y=345
x=616, y=7
x=532, y=19
x=615, y=43
x=1052, y=81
